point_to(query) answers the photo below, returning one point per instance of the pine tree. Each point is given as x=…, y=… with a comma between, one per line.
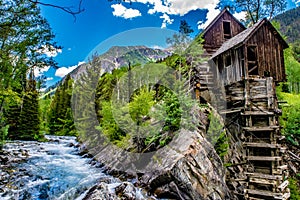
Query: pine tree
x=60, y=117
x=28, y=123
x=24, y=34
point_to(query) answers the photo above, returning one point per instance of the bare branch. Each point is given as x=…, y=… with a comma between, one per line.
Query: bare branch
x=68, y=10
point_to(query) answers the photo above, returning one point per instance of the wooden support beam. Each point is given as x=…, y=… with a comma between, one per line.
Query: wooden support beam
x=283, y=167
x=257, y=113
x=263, y=181
x=259, y=96
x=255, y=128
x=262, y=145
x=265, y=193
x=283, y=185
x=264, y=176
x=229, y=111
x=264, y=158
x=286, y=196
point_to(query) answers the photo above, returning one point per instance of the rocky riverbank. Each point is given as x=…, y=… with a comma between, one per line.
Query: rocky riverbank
x=187, y=168
x=59, y=169
x=194, y=172
x=8, y=172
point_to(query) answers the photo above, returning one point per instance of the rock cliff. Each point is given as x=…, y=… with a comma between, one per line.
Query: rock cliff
x=187, y=168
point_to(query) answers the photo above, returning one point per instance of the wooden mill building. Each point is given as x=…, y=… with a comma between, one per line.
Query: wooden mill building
x=248, y=63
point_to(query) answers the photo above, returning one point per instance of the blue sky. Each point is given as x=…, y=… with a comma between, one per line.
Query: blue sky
x=106, y=23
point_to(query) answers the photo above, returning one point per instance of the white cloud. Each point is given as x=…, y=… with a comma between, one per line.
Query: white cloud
x=49, y=78
x=182, y=7
x=49, y=51
x=127, y=13
x=43, y=89
x=159, y=6
x=80, y=63
x=175, y=7
x=241, y=15
x=61, y=72
x=297, y=2
x=69, y=49
x=212, y=13
x=157, y=47
x=166, y=20
x=39, y=71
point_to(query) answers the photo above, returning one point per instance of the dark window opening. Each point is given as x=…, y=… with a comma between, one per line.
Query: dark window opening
x=228, y=61
x=254, y=151
x=227, y=30
x=260, y=121
x=252, y=60
x=242, y=61
x=251, y=53
x=262, y=166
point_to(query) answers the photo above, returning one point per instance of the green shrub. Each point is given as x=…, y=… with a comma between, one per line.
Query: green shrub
x=290, y=119
x=294, y=189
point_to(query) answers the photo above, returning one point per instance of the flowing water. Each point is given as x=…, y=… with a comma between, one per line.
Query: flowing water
x=53, y=170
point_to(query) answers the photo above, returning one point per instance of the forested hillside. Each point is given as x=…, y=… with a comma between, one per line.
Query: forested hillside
x=290, y=24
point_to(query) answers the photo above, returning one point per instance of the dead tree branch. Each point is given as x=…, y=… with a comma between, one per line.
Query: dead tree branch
x=66, y=9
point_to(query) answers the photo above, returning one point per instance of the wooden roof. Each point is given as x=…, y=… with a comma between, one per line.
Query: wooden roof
x=218, y=17
x=242, y=37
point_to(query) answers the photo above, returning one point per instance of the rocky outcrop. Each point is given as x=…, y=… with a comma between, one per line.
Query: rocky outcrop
x=196, y=172
x=187, y=168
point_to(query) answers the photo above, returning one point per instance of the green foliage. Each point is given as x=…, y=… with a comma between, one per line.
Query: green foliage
x=290, y=25
x=290, y=118
x=141, y=104
x=222, y=145
x=84, y=102
x=108, y=125
x=292, y=71
x=29, y=124
x=176, y=62
x=3, y=134
x=171, y=106
x=24, y=37
x=60, y=116
x=185, y=28
x=22, y=115
x=141, y=118
x=216, y=134
x=296, y=49
x=294, y=189
x=179, y=42
x=44, y=110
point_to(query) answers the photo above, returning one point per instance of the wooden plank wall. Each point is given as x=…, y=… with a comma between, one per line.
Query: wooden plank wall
x=214, y=36
x=232, y=73
x=269, y=52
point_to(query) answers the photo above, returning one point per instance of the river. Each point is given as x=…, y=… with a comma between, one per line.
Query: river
x=52, y=170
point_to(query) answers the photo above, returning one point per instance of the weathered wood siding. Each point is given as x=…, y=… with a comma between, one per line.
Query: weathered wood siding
x=235, y=71
x=269, y=53
x=214, y=38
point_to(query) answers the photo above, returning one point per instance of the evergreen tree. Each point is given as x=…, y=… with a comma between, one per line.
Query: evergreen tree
x=60, y=117
x=185, y=28
x=24, y=37
x=28, y=124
